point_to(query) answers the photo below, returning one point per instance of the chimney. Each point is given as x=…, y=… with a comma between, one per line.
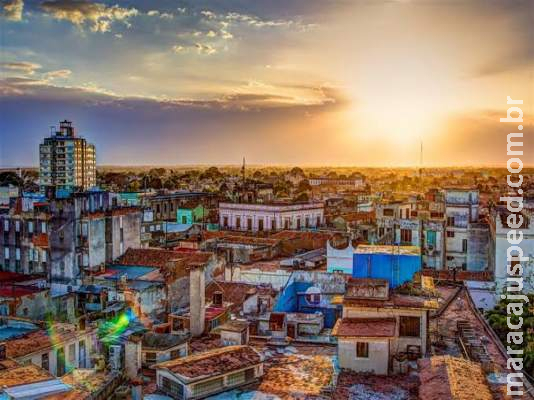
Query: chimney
x=197, y=300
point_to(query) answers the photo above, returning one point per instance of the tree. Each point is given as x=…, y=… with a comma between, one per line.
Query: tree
x=296, y=171
x=304, y=186
x=302, y=197
x=497, y=318
x=10, y=178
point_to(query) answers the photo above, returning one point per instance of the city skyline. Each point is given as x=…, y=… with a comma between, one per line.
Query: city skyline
x=310, y=83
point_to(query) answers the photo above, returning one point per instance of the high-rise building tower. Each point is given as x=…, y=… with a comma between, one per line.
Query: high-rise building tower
x=67, y=162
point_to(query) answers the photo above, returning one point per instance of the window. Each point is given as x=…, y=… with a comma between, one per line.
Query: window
x=30, y=226
x=286, y=223
x=177, y=324
x=388, y=212
x=410, y=326
x=6, y=225
x=150, y=357
x=60, y=357
x=431, y=237
x=6, y=253
x=298, y=223
x=406, y=235
x=307, y=222
x=207, y=387
x=318, y=220
x=260, y=224
x=45, y=363
x=238, y=222
x=17, y=226
x=450, y=221
x=72, y=355
x=225, y=222
x=217, y=298
x=450, y=234
x=172, y=387
x=249, y=224
x=43, y=227
x=273, y=224
x=464, y=246
x=362, y=350
x=235, y=378
x=175, y=354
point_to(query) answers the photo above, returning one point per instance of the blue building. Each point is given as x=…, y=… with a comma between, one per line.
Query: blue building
x=396, y=264
x=310, y=292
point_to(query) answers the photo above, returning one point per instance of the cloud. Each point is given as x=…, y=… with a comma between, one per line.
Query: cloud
x=208, y=14
x=162, y=15
x=250, y=96
x=24, y=67
x=81, y=12
x=226, y=35
x=211, y=34
x=178, y=49
x=58, y=74
x=205, y=49
x=12, y=9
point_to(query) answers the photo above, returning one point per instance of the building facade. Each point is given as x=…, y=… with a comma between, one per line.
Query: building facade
x=270, y=217
x=67, y=162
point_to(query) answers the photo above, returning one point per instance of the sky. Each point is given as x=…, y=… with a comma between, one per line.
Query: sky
x=285, y=82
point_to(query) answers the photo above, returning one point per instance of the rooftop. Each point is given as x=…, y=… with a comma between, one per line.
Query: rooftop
x=170, y=262
x=163, y=341
x=232, y=292
x=365, y=327
x=40, y=340
x=450, y=378
x=23, y=375
x=213, y=362
x=234, y=326
x=388, y=249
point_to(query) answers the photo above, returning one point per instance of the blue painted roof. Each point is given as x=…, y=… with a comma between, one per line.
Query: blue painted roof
x=131, y=271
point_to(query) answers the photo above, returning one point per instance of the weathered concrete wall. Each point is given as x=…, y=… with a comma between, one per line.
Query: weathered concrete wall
x=477, y=247
x=197, y=296
x=377, y=362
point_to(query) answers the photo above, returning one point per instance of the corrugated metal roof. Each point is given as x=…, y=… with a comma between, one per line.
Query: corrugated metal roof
x=37, y=390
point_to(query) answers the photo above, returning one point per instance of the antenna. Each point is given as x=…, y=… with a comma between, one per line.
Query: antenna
x=421, y=161
x=421, y=156
x=243, y=170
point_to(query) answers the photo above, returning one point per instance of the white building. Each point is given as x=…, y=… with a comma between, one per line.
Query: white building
x=270, y=217
x=340, y=258
x=66, y=161
x=67, y=347
x=381, y=330
x=499, y=245
x=461, y=209
x=349, y=183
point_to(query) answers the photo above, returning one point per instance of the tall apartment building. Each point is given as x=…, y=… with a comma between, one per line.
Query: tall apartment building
x=67, y=162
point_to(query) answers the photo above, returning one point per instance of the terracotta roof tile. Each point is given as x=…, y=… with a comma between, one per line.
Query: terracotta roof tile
x=23, y=375
x=365, y=327
x=450, y=378
x=232, y=292
x=213, y=362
